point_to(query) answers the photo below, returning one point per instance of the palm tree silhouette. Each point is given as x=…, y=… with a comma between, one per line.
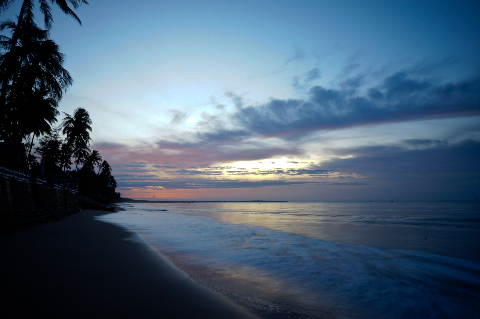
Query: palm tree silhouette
x=77, y=129
x=45, y=8
x=31, y=94
x=41, y=117
x=95, y=158
x=65, y=156
x=24, y=22
x=106, y=178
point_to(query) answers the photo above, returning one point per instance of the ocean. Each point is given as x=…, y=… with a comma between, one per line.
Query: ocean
x=323, y=259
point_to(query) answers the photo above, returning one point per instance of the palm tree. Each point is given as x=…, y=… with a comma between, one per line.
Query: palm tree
x=107, y=183
x=95, y=158
x=25, y=20
x=65, y=156
x=92, y=160
x=45, y=8
x=41, y=117
x=31, y=95
x=49, y=148
x=77, y=129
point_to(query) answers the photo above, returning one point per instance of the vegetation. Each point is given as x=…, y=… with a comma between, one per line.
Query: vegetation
x=32, y=83
x=77, y=128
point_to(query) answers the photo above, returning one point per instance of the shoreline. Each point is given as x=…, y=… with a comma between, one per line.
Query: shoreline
x=145, y=201
x=245, y=292
x=81, y=267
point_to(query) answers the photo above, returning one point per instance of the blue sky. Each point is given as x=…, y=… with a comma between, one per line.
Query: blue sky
x=281, y=100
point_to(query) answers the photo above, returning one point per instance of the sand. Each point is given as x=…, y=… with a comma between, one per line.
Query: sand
x=83, y=268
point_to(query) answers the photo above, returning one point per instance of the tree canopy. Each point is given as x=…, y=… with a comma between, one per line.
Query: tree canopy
x=45, y=8
x=77, y=129
x=32, y=83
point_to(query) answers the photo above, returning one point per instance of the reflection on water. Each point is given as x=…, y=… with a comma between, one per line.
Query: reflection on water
x=327, y=259
x=451, y=229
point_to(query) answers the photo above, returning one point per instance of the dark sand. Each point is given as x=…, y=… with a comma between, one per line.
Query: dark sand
x=83, y=268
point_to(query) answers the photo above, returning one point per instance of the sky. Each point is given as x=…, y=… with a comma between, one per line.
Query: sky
x=279, y=100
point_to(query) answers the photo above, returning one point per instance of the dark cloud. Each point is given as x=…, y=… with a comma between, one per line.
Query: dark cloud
x=296, y=83
x=312, y=75
x=399, y=97
x=136, y=164
x=432, y=169
x=165, y=166
x=399, y=85
x=353, y=83
x=349, y=68
x=197, y=183
x=237, y=100
x=108, y=145
x=449, y=170
x=178, y=117
x=223, y=135
x=302, y=82
x=134, y=167
x=427, y=67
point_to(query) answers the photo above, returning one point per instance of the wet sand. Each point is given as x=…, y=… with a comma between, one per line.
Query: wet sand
x=83, y=268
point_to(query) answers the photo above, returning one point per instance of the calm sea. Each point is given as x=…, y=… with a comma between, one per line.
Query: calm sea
x=327, y=260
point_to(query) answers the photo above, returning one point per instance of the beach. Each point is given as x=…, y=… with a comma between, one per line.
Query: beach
x=80, y=267
x=242, y=260
x=323, y=260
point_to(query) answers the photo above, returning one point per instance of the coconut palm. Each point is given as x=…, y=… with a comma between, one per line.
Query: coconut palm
x=40, y=118
x=106, y=180
x=30, y=96
x=65, y=156
x=49, y=147
x=92, y=160
x=45, y=8
x=24, y=22
x=95, y=158
x=77, y=128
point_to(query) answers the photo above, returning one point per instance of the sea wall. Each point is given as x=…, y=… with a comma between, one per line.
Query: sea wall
x=24, y=204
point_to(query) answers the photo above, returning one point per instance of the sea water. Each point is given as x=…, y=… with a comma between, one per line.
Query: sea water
x=326, y=260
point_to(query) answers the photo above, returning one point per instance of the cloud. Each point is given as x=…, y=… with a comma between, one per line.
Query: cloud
x=201, y=159
x=213, y=147
x=434, y=170
x=178, y=117
x=420, y=142
x=237, y=100
x=353, y=83
x=203, y=150
x=308, y=77
x=312, y=75
x=415, y=166
x=349, y=68
x=299, y=54
x=198, y=183
x=398, y=98
x=431, y=158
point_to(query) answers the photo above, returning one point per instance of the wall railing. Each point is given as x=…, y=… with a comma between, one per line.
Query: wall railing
x=27, y=178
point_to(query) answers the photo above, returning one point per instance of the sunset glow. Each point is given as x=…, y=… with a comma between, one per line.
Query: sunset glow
x=294, y=100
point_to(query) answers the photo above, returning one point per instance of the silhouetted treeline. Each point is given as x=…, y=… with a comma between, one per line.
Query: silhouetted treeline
x=32, y=83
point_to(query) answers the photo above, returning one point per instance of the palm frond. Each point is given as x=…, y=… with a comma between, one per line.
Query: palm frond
x=62, y=4
x=46, y=10
x=8, y=24
x=5, y=4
